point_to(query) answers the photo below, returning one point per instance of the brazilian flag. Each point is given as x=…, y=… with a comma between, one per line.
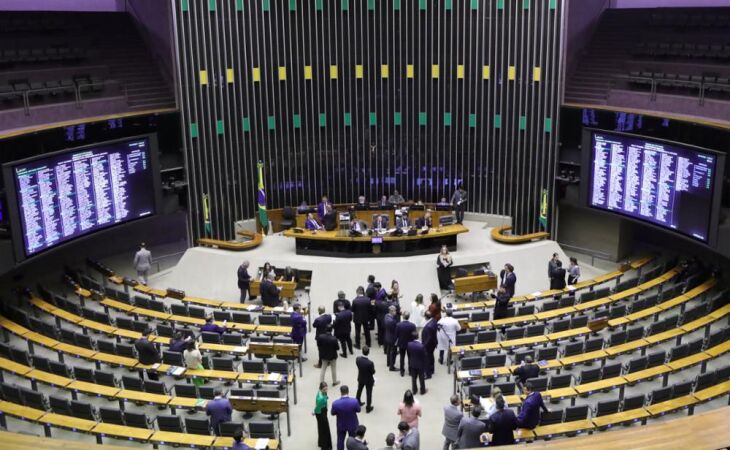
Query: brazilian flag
x=261, y=197
x=544, y=210
x=207, y=224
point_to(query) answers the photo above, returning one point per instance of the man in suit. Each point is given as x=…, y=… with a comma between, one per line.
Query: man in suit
x=370, y=290
x=417, y=363
x=320, y=325
x=458, y=202
x=471, y=430
x=359, y=225
x=396, y=199
x=402, y=221
x=270, y=291
x=389, y=338
x=341, y=300
x=211, y=326
x=147, y=354
x=142, y=263
x=528, y=369
x=383, y=203
x=244, y=280
x=327, y=346
x=219, y=409
x=362, y=203
x=365, y=378
x=343, y=329
x=381, y=310
x=557, y=280
x=358, y=441
x=345, y=409
x=425, y=221
x=361, y=316
x=311, y=224
x=298, y=327
x=380, y=222
x=501, y=303
x=409, y=437
x=530, y=413
x=508, y=279
x=404, y=331
x=324, y=208
x=429, y=339
x=452, y=419
x=552, y=264
x=503, y=422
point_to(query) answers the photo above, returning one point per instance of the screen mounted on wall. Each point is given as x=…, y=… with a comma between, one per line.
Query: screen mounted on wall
x=72, y=193
x=666, y=184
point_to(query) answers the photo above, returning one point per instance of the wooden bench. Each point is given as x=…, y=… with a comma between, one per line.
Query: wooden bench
x=499, y=236
x=253, y=240
x=287, y=288
x=473, y=284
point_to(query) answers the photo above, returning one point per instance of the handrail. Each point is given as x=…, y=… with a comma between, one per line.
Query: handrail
x=77, y=89
x=592, y=253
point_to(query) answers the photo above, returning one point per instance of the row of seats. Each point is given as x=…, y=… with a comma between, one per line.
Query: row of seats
x=681, y=49
x=50, y=90
x=673, y=80
x=10, y=57
x=689, y=20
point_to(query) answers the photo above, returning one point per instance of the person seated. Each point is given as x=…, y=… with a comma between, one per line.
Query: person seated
x=303, y=207
x=425, y=221
x=359, y=225
x=402, y=220
x=528, y=369
x=362, y=203
x=443, y=202
x=396, y=199
x=383, y=203
x=289, y=274
x=312, y=224
x=380, y=222
x=211, y=327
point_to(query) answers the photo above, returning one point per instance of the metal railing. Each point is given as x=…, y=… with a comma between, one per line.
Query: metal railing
x=587, y=251
x=701, y=86
x=156, y=261
x=78, y=91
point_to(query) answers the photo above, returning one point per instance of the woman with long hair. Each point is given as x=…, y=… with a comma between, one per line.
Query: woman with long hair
x=418, y=311
x=409, y=409
x=443, y=268
x=435, y=308
x=324, y=439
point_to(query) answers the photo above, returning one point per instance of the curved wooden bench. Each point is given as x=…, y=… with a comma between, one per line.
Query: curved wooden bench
x=253, y=241
x=499, y=236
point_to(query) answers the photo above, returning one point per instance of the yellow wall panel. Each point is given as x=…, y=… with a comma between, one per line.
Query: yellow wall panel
x=203, y=77
x=282, y=73
x=486, y=72
x=511, y=73
x=333, y=72
x=359, y=71
x=384, y=70
x=410, y=72
x=307, y=72
x=256, y=74
x=460, y=71
x=536, y=74
x=229, y=76
x=435, y=71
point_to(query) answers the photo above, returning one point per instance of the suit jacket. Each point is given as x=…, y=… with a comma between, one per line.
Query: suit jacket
x=365, y=370
x=508, y=282
x=299, y=327
x=402, y=222
x=219, y=410
x=390, y=324
x=320, y=209
x=552, y=265
x=146, y=351
x=469, y=431
x=142, y=260
x=311, y=224
x=380, y=223
x=269, y=293
x=411, y=441
x=428, y=335
x=404, y=333
x=344, y=302
x=328, y=346
x=343, y=323
x=212, y=328
x=353, y=444
x=502, y=424
x=381, y=294
x=244, y=279
x=416, y=357
x=501, y=305
x=452, y=419
x=422, y=222
x=370, y=291
x=524, y=373
x=346, y=409
x=557, y=280
x=530, y=413
x=361, y=310
x=320, y=323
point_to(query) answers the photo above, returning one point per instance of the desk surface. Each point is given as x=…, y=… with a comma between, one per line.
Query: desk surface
x=449, y=230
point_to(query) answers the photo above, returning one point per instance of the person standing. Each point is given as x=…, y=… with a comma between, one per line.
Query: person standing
x=147, y=354
x=194, y=361
x=452, y=419
x=409, y=437
x=320, y=325
x=501, y=304
x=435, y=307
x=573, y=271
x=324, y=437
x=244, y=280
x=324, y=209
x=443, y=268
x=458, y=202
x=530, y=413
x=341, y=300
x=358, y=441
x=404, y=332
x=410, y=409
x=327, y=346
x=345, y=409
x=142, y=263
x=390, y=338
x=270, y=291
x=447, y=329
x=429, y=339
x=417, y=364
x=219, y=409
x=557, y=281
x=418, y=312
x=508, y=279
x=298, y=327
x=343, y=329
x=552, y=265
x=361, y=316
x=471, y=430
x=365, y=378
x=503, y=422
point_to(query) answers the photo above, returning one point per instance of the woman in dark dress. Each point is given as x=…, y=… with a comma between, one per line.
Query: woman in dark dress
x=324, y=440
x=435, y=308
x=443, y=264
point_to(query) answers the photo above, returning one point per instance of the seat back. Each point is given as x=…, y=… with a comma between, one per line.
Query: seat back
x=210, y=337
x=169, y=423
x=220, y=316
x=661, y=395
x=11, y=393
x=535, y=330
x=593, y=345
x=260, y=429
x=576, y=413
x=578, y=321
x=84, y=374
x=155, y=387
x=546, y=354
x=82, y=410
x=560, y=381
x=111, y=415
x=137, y=420
x=232, y=339
x=223, y=364
x=495, y=360
x=656, y=358
x=611, y=370
x=617, y=338
x=705, y=380
x=277, y=367
x=637, y=364
x=523, y=310
x=480, y=316
x=197, y=426
x=105, y=378
x=539, y=384
x=507, y=388
x=185, y=390
x=198, y=313
x=551, y=417
x=469, y=363
x=573, y=348
x=591, y=375
x=132, y=383
x=682, y=389
x=637, y=401
x=486, y=336
x=173, y=358
x=268, y=319
x=59, y=405
x=561, y=325
x=33, y=399
x=465, y=339
x=606, y=408
x=480, y=390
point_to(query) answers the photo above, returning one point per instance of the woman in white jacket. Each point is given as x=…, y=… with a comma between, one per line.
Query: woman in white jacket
x=418, y=312
x=447, y=329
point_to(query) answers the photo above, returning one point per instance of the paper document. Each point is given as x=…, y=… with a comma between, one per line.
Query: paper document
x=262, y=443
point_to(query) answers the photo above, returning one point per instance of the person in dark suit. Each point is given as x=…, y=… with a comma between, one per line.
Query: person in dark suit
x=557, y=278
x=298, y=326
x=381, y=310
x=365, y=378
x=529, y=416
x=404, y=333
x=341, y=300
x=289, y=275
x=417, y=363
x=147, y=354
x=327, y=346
x=358, y=441
x=425, y=221
x=501, y=303
x=389, y=337
x=458, y=202
x=508, y=279
x=362, y=203
x=211, y=327
x=324, y=208
x=320, y=325
x=311, y=223
x=502, y=424
x=244, y=280
x=345, y=409
x=380, y=222
x=219, y=409
x=430, y=341
x=370, y=290
x=269, y=291
x=361, y=316
x=528, y=369
x=343, y=329
x=471, y=430
x=402, y=220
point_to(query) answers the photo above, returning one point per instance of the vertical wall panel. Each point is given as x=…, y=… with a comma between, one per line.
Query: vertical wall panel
x=367, y=96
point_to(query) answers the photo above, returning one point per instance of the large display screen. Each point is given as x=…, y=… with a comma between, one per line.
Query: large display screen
x=663, y=183
x=78, y=191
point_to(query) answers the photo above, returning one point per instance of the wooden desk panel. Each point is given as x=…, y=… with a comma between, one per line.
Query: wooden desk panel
x=121, y=431
x=69, y=422
x=287, y=288
x=671, y=405
x=621, y=417
x=227, y=442
x=564, y=428
x=197, y=440
x=449, y=230
x=24, y=412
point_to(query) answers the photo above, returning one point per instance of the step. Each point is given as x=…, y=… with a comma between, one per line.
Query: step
x=584, y=100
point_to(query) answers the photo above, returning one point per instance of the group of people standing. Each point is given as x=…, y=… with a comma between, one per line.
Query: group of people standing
x=557, y=274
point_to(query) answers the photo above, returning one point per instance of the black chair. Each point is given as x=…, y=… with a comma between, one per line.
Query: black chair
x=179, y=310
x=11, y=393
x=132, y=383
x=20, y=356
x=656, y=359
x=173, y=358
x=198, y=313
x=515, y=333
x=606, y=408
x=637, y=364
x=59, y=369
x=82, y=410
x=480, y=316
x=227, y=429
x=617, y=311
x=288, y=218
x=285, y=320
x=239, y=317
x=539, y=384
x=535, y=330
x=479, y=390
x=220, y=316
x=465, y=339
x=137, y=420
x=268, y=319
x=587, y=296
x=197, y=426
x=33, y=399
x=705, y=380
x=83, y=374
x=561, y=325
x=551, y=417
x=486, y=336
x=59, y=405
x=550, y=306
x=165, y=330
x=260, y=429
x=560, y=381
x=611, y=370
x=105, y=378
x=547, y=354
x=185, y=390
x=723, y=374
x=469, y=363
x=593, y=345
x=695, y=346
x=125, y=350
x=232, y=339
x=278, y=367
x=495, y=360
x=523, y=310
x=682, y=389
x=573, y=348
x=210, y=337
x=634, y=334
x=169, y=423
x=590, y=375
x=617, y=338
x=111, y=415
x=156, y=305
x=574, y=413
x=507, y=388
x=634, y=402
x=566, y=302
x=578, y=321
x=252, y=365
x=223, y=364
x=142, y=302
x=520, y=356
x=155, y=387
x=660, y=395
